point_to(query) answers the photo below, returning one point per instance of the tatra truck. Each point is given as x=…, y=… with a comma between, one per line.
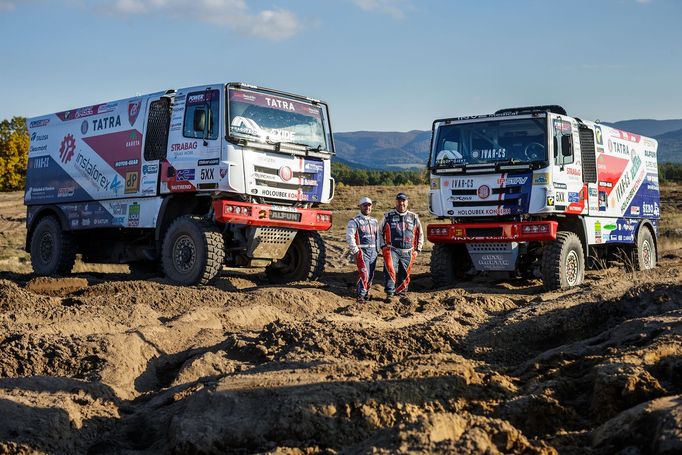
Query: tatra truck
x=186, y=181
x=537, y=193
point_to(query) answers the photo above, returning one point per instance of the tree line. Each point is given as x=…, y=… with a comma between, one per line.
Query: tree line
x=14, y=142
x=670, y=172
x=346, y=175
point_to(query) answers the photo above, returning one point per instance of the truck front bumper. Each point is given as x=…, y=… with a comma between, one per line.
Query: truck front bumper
x=522, y=231
x=233, y=212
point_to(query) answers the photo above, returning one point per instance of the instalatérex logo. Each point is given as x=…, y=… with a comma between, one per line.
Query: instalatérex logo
x=67, y=148
x=90, y=169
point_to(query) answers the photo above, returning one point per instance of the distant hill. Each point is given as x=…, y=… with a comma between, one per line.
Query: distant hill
x=670, y=147
x=388, y=150
x=647, y=127
x=384, y=150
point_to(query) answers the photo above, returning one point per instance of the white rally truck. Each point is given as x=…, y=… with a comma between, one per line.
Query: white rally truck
x=190, y=179
x=538, y=193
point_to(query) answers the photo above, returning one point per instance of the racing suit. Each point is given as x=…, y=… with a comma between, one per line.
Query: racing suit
x=362, y=238
x=402, y=238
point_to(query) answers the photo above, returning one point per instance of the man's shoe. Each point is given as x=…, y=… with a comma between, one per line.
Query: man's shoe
x=389, y=297
x=360, y=300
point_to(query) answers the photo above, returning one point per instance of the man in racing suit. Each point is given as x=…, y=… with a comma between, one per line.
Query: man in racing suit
x=402, y=238
x=362, y=238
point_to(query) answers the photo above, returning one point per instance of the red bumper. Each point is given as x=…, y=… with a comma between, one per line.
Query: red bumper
x=526, y=231
x=271, y=215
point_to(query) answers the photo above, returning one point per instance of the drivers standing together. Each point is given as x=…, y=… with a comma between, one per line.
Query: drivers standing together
x=399, y=237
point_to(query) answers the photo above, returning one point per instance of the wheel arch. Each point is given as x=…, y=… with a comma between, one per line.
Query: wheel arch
x=647, y=224
x=576, y=224
x=175, y=206
x=42, y=212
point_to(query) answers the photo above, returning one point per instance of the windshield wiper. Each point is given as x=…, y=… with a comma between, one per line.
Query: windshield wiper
x=308, y=148
x=246, y=133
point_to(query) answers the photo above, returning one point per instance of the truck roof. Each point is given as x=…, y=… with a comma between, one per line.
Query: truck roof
x=510, y=112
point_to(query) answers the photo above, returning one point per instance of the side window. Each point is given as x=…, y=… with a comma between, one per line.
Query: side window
x=563, y=143
x=202, y=115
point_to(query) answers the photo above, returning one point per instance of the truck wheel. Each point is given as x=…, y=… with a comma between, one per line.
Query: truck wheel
x=563, y=262
x=644, y=252
x=303, y=261
x=52, y=250
x=449, y=264
x=193, y=251
x=443, y=265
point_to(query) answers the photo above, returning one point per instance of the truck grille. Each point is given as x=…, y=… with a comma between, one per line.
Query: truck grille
x=506, y=190
x=284, y=186
x=271, y=171
x=490, y=247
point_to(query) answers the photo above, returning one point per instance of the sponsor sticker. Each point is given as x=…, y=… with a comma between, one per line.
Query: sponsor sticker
x=39, y=123
x=134, y=215
x=133, y=111
x=512, y=181
x=148, y=169
x=183, y=175
x=541, y=179
x=132, y=182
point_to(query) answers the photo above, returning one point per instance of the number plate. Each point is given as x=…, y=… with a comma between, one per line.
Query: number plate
x=286, y=216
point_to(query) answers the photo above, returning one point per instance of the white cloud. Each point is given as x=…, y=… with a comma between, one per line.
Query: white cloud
x=393, y=8
x=6, y=6
x=275, y=24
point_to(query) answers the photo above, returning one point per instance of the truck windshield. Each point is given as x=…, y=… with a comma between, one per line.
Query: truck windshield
x=491, y=142
x=261, y=116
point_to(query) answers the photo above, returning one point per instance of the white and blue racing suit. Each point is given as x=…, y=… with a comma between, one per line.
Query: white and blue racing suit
x=402, y=239
x=363, y=240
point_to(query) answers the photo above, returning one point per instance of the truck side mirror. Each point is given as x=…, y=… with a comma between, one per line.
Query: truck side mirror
x=566, y=145
x=199, y=120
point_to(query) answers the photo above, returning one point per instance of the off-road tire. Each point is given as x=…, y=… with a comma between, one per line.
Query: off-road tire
x=644, y=251
x=443, y=265
x=563, y=262
x=53, y=251
x=303, y=261
x=449, y=264
x=193, y=251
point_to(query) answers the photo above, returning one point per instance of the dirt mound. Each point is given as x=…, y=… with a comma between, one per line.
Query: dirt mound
x=105, y=362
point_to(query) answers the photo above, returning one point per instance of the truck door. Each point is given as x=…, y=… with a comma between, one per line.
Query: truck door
x=569, y=193
x=194, y=143
x=155, y=143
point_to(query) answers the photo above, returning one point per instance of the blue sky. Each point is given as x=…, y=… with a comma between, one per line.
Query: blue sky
x=387, y=65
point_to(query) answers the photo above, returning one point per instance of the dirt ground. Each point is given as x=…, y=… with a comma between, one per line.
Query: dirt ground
x=104, y=362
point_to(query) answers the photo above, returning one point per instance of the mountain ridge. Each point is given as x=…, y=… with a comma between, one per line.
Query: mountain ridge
x=396, y=150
